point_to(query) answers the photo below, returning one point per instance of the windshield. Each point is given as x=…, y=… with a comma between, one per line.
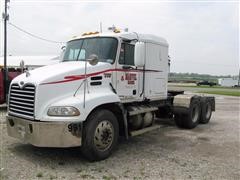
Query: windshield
x=80, y=50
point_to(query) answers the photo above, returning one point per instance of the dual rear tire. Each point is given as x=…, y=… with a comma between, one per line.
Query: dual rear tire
x=206, y=110
x=199, y=111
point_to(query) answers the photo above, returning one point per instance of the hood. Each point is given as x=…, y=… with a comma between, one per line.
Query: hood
x=61, y=72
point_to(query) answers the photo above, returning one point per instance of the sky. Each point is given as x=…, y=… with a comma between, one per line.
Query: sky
x=203, y=36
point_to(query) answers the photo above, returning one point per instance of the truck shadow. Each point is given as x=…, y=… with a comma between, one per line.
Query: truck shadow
x=158, y=143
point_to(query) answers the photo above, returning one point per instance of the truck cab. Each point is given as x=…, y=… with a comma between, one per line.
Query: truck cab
x=106, y=85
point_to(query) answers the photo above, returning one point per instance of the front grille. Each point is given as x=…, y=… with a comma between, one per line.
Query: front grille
x=21, y=101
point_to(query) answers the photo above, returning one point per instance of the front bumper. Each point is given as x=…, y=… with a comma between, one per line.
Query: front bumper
x=45, y=134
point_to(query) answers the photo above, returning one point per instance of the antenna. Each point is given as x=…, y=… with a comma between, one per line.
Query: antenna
x=85, y=84
x=100, y=27
x=112, y=28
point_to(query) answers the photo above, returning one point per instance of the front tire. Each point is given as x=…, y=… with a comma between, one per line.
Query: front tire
x=100, y=135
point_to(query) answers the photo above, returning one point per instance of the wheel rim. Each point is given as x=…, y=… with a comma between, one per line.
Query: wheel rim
x=104, y=134
x=208, y=111
x=195, y=114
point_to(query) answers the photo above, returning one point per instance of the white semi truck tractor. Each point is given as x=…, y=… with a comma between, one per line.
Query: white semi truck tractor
x=107, y=85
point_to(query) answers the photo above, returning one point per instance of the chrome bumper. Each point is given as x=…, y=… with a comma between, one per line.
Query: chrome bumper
x=45, y=134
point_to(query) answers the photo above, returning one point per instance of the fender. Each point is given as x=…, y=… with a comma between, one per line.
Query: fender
x=93, y=100
x=96, y=99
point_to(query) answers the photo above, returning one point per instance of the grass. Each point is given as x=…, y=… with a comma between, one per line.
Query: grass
x=204, y=86
x=2, y=175
x=222, y=92
x=79, y=170
x=219, y=90
x=87, y=176
x=39, y=175
x=51, y=177
x=110, y=177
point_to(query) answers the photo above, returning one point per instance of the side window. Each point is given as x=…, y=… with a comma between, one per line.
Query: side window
x=82, y=54
x=74, y=54
x=126, y=54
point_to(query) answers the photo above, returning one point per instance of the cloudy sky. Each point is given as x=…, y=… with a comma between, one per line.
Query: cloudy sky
x=203, y=35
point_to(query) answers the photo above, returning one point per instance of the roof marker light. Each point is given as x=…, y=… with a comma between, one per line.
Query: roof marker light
x=90, y=33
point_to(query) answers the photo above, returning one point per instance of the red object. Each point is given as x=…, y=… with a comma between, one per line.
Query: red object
x=82, y=76
x=12, y=73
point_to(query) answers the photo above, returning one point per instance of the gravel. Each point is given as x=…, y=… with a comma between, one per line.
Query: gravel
x=210, y=151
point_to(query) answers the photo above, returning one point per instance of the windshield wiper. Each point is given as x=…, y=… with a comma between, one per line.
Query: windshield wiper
x=80, y=50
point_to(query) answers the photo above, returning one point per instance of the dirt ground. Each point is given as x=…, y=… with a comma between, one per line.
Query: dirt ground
x=210, y=151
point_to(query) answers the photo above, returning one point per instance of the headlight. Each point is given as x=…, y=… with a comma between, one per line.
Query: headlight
x=63, y=111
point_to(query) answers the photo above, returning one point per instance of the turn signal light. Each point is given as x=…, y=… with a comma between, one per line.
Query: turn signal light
x=116, y=31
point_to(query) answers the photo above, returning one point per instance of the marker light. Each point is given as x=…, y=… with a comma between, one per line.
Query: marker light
x=90, y=33
x=117, y=30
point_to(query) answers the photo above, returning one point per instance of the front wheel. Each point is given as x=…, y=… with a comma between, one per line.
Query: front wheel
x=100, y=135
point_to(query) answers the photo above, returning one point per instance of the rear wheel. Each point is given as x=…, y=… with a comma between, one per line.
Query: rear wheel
x=178, y=120
x=206, y=111
x=190, y=119
x=100, y=135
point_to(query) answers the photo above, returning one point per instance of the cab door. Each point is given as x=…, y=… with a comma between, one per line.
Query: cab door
x=127, y=74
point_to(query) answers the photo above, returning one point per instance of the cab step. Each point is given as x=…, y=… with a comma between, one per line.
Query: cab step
x=144, y=130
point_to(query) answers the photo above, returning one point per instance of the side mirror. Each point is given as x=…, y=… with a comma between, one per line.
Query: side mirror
x=139, y=54
x=63, y=48
x=93, y=59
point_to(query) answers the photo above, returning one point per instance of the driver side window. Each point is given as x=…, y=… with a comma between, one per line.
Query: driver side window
x=126, y=54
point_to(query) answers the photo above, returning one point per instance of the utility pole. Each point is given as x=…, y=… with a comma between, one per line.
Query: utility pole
x=5, y=17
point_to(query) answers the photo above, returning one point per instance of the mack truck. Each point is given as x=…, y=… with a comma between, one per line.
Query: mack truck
x=107, y=85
